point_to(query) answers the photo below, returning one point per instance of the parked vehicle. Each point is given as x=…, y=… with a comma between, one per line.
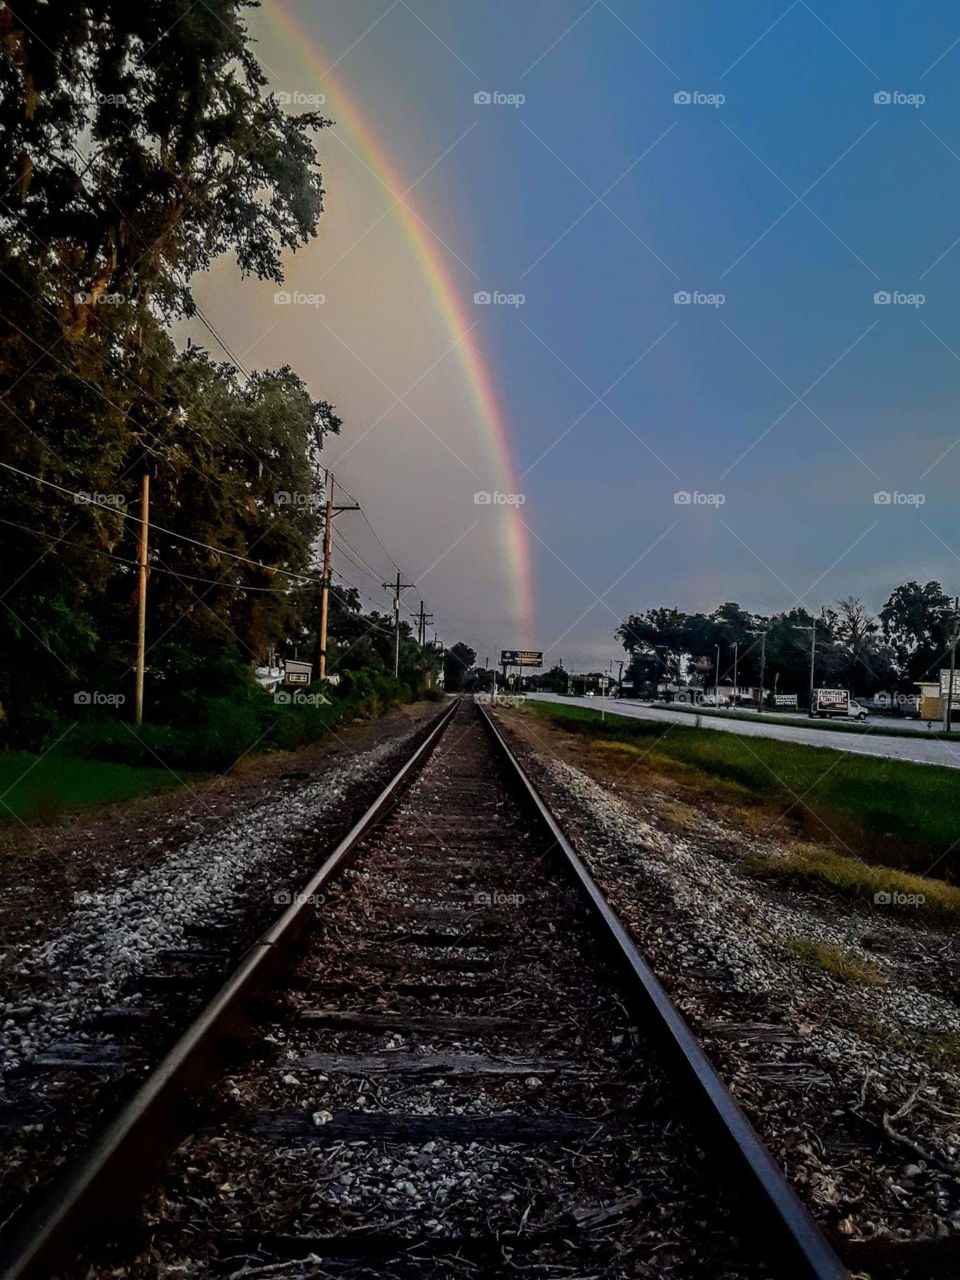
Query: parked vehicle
x=836, y=704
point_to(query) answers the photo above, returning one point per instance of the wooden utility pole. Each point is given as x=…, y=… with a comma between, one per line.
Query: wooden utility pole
x=424, y=620
x=397, y=587
x=329, y=513
x=325, y=584
x=142, y=596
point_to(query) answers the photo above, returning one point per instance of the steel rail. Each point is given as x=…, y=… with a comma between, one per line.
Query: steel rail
x=106, y=1185
x=808, y=1253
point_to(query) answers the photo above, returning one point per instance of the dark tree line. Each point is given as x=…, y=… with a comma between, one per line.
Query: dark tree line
x=908, y=641
x=137, y=144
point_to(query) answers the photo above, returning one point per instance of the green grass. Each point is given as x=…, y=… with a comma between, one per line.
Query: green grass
x=807, y=866
x=804, y=722
x=836, y=961
x=39, y=789
x=890, y=811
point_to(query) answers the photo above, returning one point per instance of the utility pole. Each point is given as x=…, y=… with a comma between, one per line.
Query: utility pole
x=716, y=681
x=763, y=667
x=397, y=587
x=813, y=658
x=142, y=596
x=953, y=664
x=763, y=663
x=736, y=655
x=330, y=512
x=424, y=620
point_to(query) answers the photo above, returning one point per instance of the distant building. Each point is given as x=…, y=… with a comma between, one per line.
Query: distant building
x=931, y=704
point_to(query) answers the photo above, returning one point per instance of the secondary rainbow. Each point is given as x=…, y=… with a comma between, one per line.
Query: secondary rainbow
x=450, y=305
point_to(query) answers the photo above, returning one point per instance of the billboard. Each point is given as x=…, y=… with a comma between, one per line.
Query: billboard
x=521, y=657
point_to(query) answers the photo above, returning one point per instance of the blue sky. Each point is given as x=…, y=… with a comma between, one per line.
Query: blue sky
x=798, y=198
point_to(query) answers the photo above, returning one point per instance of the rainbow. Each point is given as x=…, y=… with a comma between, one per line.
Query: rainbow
x=451, y=308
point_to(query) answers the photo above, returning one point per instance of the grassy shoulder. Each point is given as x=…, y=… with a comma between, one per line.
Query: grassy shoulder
x=37, y=789
x=104, y=761
x=856, y=825
x=802, y=722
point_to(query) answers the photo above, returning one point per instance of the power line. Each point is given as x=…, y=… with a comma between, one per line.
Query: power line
x=370, y=527
x=124, y=560
x=89, y=500
x=359, y=560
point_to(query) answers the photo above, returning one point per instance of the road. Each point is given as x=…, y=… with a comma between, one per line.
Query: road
x=868, y=741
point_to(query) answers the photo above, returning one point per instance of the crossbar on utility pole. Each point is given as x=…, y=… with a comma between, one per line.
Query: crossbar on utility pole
x=329, y=513
x=397, y=587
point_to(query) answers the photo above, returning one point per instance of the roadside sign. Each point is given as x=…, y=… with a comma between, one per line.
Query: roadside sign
x=945, y=683
x=785, y=700
x=521, y=657
x=297, y=672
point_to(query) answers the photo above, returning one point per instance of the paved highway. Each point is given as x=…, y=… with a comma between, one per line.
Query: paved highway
x=866, y=740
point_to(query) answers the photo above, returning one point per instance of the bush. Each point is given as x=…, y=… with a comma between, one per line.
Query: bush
x=222, y=729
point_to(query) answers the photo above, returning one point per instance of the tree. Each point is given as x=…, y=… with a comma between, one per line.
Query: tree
x=869, y=661
x=140, y=146
x=457, y=661
x=556, y=679
x=918, y=621
x=136, y=144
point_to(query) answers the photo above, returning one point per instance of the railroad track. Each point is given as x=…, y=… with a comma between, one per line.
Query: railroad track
x=445, y=1059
